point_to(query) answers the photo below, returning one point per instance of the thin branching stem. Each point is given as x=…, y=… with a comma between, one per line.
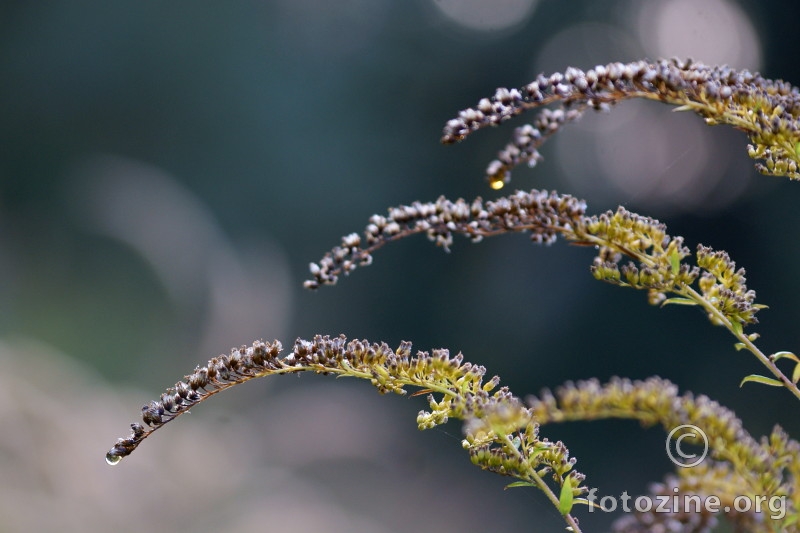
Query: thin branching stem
x=535, y=478
x=712, y=310
x=689, y=292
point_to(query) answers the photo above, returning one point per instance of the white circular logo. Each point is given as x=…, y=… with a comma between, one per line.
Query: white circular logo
x=679, y=456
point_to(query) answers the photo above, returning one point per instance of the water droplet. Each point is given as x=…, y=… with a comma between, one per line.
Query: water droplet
x=113, y=459
x=498, y=179
x=496, y=183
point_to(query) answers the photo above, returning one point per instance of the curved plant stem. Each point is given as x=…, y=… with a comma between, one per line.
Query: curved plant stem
x=692, y=294
x=689, y=292
x=544, y=487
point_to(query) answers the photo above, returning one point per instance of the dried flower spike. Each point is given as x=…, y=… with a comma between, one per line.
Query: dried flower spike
x=766, y=110
x=501, y=434
x=540, y=213
x=737, y=463
x=658, y=264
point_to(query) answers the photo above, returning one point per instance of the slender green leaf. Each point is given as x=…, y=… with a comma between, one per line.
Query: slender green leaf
x=784, y=355
x=736, y=326
x=519, y=484
x=796, y=373
x=590, y=503
x=679, y=301
x=565, y=501
x=761, y=379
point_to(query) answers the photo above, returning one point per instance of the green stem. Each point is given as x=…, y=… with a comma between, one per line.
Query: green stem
x=688, y=292
x=537, y=479
x=741, y=337
x=348, y=371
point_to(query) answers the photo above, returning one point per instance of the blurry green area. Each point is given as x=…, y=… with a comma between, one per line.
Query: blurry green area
x=168, y=170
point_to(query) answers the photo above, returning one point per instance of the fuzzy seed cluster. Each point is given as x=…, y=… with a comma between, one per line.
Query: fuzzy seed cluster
x=767, y=110
x=760, y=466
x=219, y=373
x=725, y=286
x=387, y=369
x=659, y=256
x=500, y=431
x=543, y=214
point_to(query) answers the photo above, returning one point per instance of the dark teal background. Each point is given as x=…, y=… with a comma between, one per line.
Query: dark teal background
x=283, y=130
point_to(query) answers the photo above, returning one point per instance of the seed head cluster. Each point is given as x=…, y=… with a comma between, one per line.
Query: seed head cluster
x=767, y=110
x=500, y=432
x=651, y=401
x=661, y=268
x=658, y=268
x=658, y=260
x=540, y=213
x=458, y=391
x=737, y=464
x=220, y=372
x=724, y=285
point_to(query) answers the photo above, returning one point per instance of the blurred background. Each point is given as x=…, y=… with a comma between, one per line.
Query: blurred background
x=168, y=170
